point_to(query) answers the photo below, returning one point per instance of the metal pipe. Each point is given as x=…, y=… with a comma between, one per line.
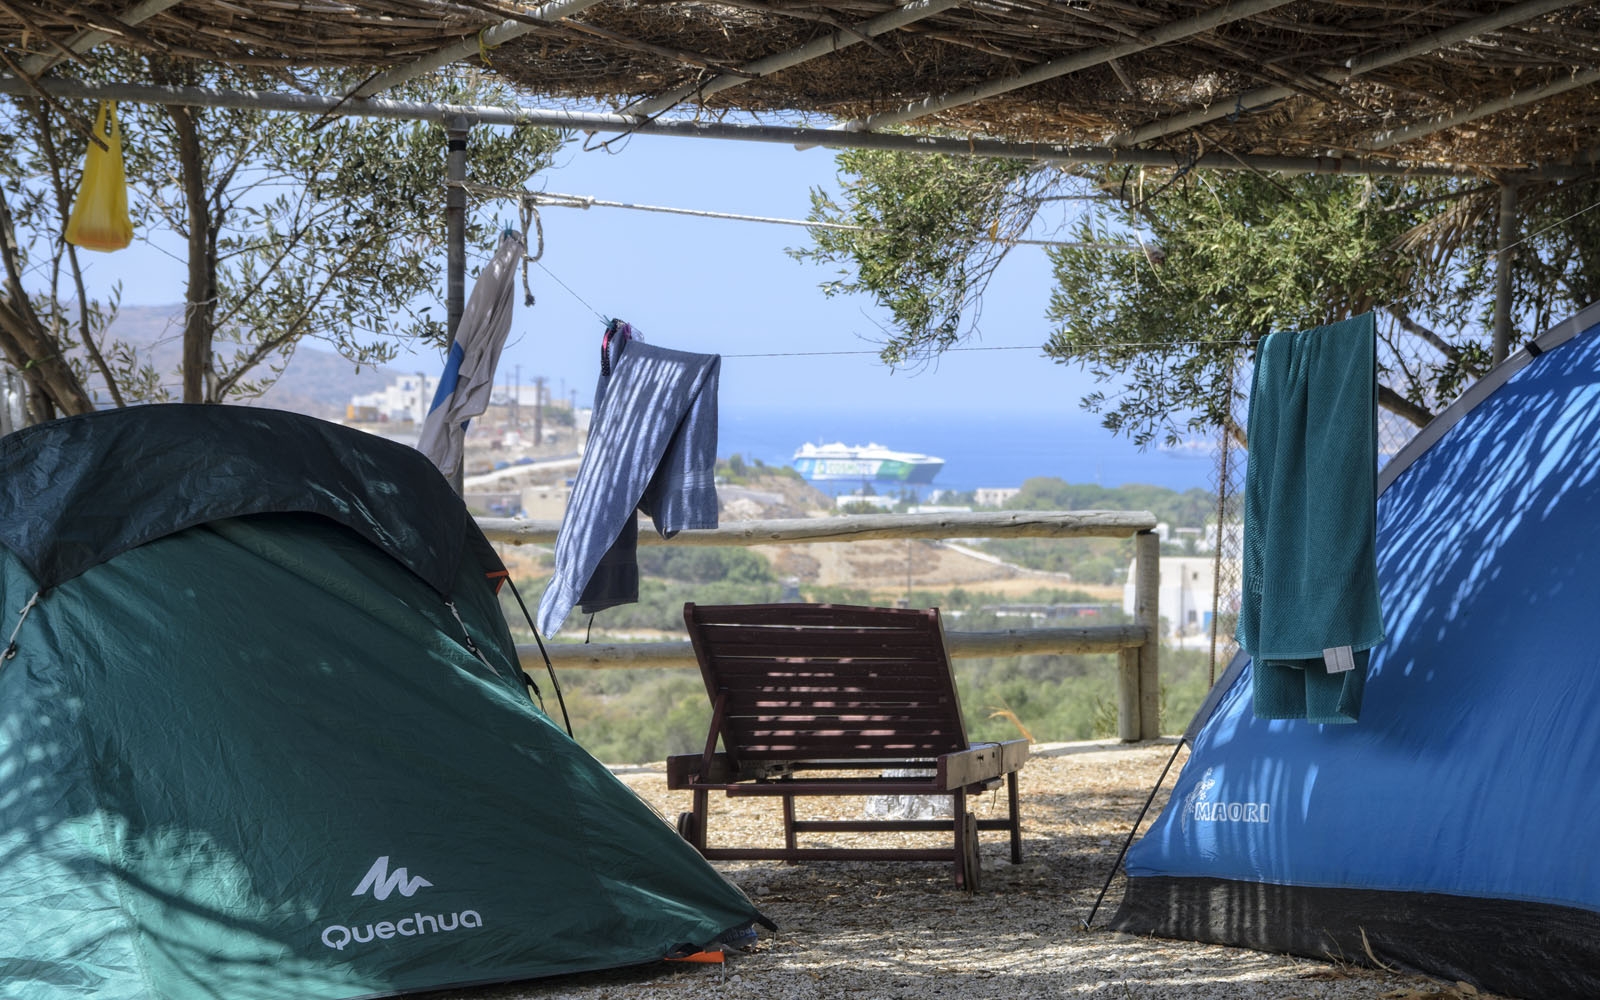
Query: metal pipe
x=455, y=226
x=373, y=107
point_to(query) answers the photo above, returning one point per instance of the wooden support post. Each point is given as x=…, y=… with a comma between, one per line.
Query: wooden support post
x=1147, y=612
x=1504, y=255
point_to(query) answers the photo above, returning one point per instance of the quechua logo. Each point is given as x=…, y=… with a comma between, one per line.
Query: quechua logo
x=382, y=882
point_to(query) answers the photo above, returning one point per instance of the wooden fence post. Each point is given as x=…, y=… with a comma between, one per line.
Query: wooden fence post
x=1128, y=694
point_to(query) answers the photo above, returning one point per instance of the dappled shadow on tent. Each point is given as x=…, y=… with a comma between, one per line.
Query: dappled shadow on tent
x=253, y=711
x=267, y=697
x=1485, y=584
x=1489, y=519
x=148, y=787
x=1457, y=799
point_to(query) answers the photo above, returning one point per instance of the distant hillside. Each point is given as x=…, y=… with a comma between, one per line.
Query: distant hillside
x=317, y=381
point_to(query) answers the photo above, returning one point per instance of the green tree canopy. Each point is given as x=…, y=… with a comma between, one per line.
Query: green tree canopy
x=1220, y=260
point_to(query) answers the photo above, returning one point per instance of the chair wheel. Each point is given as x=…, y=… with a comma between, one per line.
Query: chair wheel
x=686, y=826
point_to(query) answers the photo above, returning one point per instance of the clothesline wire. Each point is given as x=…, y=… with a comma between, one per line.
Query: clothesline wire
x=603, y=317
x=830, y=354
x=558, y=200
x=553, y=199
x=585, y=201
x=824, y=354
x=1007, y=347
x=1551, y=226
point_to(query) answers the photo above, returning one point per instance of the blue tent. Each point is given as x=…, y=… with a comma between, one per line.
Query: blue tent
x=1451, y=830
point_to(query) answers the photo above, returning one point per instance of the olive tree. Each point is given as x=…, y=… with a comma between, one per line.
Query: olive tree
x=1221, y=260
x=293, y=228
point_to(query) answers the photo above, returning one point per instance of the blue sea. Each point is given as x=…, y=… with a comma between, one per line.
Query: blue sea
x=984, y=450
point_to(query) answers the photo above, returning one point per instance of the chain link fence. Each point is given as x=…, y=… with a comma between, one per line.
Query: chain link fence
x=1226, y=533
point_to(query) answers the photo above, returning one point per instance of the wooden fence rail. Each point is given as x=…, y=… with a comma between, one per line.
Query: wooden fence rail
x=1137, y=645
x=864, y=527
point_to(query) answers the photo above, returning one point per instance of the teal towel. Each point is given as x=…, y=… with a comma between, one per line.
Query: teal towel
x=1310, y=522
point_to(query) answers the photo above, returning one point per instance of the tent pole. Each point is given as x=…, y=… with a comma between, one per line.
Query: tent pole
x=455, y=223
x=1086, y=922
x=1502, y=272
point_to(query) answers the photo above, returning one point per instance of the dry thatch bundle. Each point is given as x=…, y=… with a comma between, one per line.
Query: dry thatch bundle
x=1515, y=82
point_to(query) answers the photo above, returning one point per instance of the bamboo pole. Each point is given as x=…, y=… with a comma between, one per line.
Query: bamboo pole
x=1166, y=34
x=865, y=527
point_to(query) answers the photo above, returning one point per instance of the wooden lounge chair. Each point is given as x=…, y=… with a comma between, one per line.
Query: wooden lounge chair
x=820, y=699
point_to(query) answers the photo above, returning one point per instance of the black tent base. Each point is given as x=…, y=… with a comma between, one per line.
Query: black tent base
x=1536, y=951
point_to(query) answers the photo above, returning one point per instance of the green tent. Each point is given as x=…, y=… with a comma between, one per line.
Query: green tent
x=263, y=732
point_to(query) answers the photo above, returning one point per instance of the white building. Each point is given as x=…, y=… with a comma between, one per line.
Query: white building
x=994, y=496
x=1232, y=537
x=406, y=398
x=1187, y=585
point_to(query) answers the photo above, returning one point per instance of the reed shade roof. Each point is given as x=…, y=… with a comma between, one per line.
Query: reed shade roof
x=624, y=52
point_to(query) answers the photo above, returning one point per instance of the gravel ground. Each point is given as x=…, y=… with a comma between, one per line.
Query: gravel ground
x=865, y=931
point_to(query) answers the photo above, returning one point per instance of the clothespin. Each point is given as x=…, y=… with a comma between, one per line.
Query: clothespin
x=623, y=332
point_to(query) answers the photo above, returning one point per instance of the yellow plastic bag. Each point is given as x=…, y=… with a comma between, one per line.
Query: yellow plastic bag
x=99, y=219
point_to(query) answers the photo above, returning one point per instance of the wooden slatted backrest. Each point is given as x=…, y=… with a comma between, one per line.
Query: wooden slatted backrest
x=828, y=682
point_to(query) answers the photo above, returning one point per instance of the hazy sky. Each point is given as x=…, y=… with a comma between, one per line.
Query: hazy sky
x=723, y=287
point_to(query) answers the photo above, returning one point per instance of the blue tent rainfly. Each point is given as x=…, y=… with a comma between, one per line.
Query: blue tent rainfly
x=1451, y=829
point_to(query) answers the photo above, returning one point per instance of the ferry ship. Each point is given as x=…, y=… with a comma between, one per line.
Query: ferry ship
x=864, y=462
